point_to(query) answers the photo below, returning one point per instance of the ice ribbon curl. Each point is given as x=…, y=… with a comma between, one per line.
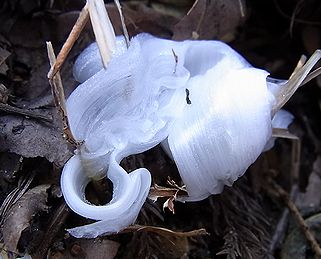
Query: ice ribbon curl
x=214, y=134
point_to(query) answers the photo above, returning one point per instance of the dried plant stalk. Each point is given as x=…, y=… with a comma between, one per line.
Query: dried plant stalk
x=295, y=81
x=123, y=24
x=281, y=193
x=103, y=29
x=73, y=36
x=59, y=98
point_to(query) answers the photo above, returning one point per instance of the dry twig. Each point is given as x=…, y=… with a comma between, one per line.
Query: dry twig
x=122, y=20
x=280, y=229
x=14, y=110
x=59, y=98
x=278, y=191
x=165, y=231
x=73, y=36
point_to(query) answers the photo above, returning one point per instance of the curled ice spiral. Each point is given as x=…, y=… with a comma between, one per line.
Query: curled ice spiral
x=201, y=99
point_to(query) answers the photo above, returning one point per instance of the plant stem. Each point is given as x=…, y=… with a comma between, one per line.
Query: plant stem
x=103, y=29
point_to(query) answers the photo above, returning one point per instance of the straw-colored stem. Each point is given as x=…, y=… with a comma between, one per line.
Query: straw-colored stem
x=299, y=65
x=122, y=20
x=311, y=76
x=289, y=88
x=103, y=29
x=59, y=98
x=73, y=36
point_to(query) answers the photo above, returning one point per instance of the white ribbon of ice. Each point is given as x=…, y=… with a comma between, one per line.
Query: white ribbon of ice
x=214, y=134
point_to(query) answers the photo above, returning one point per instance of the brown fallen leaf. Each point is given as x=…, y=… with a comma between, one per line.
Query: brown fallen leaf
x=211, y=20
x=28, y=36
x=157, y=191
x=169, y=203
x=19, y=134
x=172, y=193
x=173, y=9
x=140, y=18
x=21, y=213
x=31, y=138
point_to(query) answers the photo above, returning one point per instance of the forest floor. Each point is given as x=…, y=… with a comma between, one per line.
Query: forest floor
x=251, y=219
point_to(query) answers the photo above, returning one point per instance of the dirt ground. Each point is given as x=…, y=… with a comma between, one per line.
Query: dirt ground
x=255, y=218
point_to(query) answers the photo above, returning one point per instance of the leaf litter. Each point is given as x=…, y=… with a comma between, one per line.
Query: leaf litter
x=20, y=214
x=211, y=19
x=235, y=220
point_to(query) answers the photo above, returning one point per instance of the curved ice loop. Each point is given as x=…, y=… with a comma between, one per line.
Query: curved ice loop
x=214, y=110
x=129, y=194
x=117, y=112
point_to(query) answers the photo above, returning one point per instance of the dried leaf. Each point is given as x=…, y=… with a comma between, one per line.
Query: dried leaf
x=159, y=192
x=211, y=19
x=140, y=18
x=28, y=35
x=21, y=213
x=34, y=85
x=169, y=203
x=30, y=138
